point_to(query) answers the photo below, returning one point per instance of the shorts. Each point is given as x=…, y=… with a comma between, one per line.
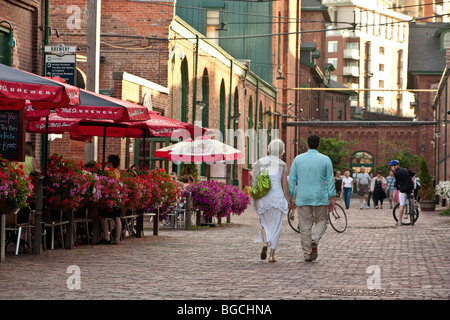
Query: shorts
x=363, y=189
x=390, y=194
x=402, y=198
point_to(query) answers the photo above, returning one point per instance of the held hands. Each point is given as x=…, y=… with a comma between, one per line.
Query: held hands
x=291, y=204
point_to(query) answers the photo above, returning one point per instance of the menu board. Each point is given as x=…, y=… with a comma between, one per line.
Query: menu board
x=12, y=135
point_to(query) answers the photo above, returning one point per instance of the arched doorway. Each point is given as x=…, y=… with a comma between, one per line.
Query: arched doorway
x=361, y=159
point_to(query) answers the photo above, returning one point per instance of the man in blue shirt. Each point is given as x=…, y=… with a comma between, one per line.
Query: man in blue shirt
x=312, y=173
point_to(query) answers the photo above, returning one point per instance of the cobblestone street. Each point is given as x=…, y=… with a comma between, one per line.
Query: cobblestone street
x=223, y=263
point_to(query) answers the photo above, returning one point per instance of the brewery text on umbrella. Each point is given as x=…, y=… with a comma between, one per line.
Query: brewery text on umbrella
x=100, y=107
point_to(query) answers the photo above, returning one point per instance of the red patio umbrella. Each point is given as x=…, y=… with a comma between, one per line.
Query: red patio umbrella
x=16, y=86
x=161, y=126
x=100, y=107
x=83, y=127
x=33, y=114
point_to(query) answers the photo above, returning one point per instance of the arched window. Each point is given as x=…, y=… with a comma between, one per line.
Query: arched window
x=222, y=110
x=250, y=137
x=205, y=110
x=205, y=99
x=184, y=91
x=361, y=159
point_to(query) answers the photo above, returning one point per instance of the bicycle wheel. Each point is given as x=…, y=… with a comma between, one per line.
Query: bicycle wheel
x=406, y=219
x=292, y=218
x=416, y=214
x=338, y=218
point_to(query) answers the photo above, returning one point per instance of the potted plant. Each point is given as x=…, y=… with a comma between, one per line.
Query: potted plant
x=443, y=190
x=15, y=186
x=67, y=183
x=426, y=192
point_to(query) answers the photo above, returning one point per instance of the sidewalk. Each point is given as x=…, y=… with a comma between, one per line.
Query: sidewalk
x=223, y=263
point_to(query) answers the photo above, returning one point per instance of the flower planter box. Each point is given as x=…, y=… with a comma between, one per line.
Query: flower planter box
x=427, y=205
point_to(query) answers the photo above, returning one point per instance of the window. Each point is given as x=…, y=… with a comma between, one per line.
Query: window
x=325, y=114
x=381, y=83
x=333, y=61
x=212, y=23
x=5, y=49
x=352, y=45
x=381, y=51
x=446, y=40
x=381, y=67
x=332, y=46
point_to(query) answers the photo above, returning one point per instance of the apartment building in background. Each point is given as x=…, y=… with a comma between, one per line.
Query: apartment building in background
x=368, y=46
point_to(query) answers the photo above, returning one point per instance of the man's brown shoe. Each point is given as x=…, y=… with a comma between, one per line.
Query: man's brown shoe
x=313, y=254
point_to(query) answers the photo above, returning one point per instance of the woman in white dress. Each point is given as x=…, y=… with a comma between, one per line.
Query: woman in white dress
x=272, y=208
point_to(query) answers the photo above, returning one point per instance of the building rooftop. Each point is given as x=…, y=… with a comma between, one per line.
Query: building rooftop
x=425, y=53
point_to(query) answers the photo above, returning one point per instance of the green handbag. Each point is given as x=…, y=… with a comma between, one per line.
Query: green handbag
x=262, y=186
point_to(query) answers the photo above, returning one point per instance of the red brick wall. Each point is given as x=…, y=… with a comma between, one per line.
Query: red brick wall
x=370, y=139
x=124, y=28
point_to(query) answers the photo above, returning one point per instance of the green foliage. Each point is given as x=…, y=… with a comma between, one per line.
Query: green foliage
x=337, y=150
x=426, y=191
x=396, y=150
x=445, y=212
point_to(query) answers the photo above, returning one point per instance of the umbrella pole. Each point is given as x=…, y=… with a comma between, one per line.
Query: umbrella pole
x=144, y=134
x=104, y=147
x=40, y=216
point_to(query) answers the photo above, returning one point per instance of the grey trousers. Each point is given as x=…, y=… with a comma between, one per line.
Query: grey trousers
x=313, y=222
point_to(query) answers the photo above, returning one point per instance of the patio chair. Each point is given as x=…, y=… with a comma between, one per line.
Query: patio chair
x=51, y=222
x=15, y=223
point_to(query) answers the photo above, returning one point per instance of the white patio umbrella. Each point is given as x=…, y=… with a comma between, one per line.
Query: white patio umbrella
x=202, y=149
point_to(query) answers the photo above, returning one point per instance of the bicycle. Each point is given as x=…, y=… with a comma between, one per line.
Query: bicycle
x=337, y=219
x=411, y=213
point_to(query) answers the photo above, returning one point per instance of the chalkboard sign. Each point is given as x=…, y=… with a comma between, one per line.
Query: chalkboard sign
x=12, y=135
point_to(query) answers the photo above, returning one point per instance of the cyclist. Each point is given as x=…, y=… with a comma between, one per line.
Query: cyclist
x=403, y=183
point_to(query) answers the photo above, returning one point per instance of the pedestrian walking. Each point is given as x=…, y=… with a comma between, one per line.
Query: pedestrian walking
x=378, y=185
x=369, y=196
x=312, y=173
x=362, y=187
x=347, y=188
x=272, y=207
x=390, y=189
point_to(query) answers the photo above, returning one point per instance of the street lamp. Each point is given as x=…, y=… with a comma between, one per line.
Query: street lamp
x=11, y=41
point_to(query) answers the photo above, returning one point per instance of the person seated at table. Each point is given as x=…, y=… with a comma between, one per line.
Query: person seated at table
x=113, y=162
x=30, y=164
x=187, y=180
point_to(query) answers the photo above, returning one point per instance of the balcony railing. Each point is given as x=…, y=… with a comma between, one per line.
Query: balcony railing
x=351, y=54
x=351, y=71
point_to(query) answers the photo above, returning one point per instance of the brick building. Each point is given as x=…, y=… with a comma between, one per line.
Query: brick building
x=150, y=56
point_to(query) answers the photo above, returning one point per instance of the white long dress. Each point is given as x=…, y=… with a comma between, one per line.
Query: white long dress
x=271, y=208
